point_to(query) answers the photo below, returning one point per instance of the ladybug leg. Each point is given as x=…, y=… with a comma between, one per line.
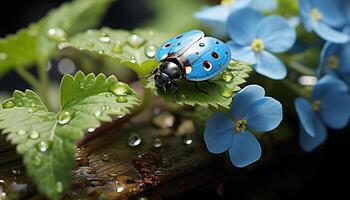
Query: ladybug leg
x=211, y=83
x=199, y=89
x=176, y=86
x=151, y=74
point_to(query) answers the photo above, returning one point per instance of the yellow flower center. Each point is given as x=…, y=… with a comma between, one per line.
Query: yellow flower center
x=227, y=2
x=258, y=45
x=333, y=62
x=316, y=14
x=316, y=105
x=241, y=125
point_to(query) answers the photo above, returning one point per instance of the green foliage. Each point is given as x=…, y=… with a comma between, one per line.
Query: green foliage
x=47, y=140
x=35, y=43
x=220, y=90
x=135, y=49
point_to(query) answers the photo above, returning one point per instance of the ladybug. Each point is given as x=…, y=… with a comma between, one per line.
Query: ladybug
x=191, y=56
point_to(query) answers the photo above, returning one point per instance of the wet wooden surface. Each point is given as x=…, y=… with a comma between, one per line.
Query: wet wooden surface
x=146, y=159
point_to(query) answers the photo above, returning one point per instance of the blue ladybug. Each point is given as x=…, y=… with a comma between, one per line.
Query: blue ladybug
x=192, y=56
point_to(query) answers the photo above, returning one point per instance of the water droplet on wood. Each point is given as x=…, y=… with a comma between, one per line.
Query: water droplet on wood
x=157, y=143
x=186, y=139
x=134, y=140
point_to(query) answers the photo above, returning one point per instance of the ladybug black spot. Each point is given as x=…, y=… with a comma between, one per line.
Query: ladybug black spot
x=215, y=55
x=207, y=65
x=168, y=45
x=178, y=37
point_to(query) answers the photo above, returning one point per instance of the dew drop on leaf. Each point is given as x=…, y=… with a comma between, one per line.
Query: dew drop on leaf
x=33, y=105
x=37, y=160
x=63, y=45
x=43, y=146
x=100, y=51
x=3, y=56
x=151, y=51
x=120, y=89
x=108, y=94
x=121, y=99
x=134, y=140
x=119, y=112
x=105, y=107
x=56, y=34
x=98, y=113
x=34, y=135
x=8, y=104
x=136, y=41
x=19, y=104
x=90, y=130
x=21, y=132
x=105, y=39
x=118, y=46
x=132, y=59
x=64, y=117
x=157, y=143
x=227, y=93
x=227, y=77
x=186, y=139
x=59, y=187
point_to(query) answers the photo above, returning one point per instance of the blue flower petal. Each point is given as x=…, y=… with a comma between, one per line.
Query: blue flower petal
x=218, y=134
x=344, y=52
x=276, y=33
x=335, y=109
x=308, y=118
x=327, y=84
x=331, y=12
x=264, y=6
x=270, y=66
x=245, y=149
x=242, y=53
x=241, y=25
x=216, y=13
x=304, y=11
x=244, y=99
x=328, y=33
x=264, y=114
x=329, y=49
x=309, y=143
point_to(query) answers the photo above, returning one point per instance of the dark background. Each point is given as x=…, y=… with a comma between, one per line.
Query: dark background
x=291, y=173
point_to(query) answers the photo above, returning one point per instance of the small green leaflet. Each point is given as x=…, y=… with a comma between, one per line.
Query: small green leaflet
x=135, y=49
x=220, y=90
x=35, y=43
x=47, y=140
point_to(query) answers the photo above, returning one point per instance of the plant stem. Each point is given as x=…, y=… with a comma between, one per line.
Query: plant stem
x=297, y=67
x=147, y=95
x=294, y=87
x=29, y=78
x=44, y=83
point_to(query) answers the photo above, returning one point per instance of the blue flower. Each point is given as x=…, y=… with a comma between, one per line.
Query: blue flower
x=325, y=18
x=216, y=16
x=330, y=107
x=250, y=110
x=265, y=5
x=335, y=58
x=254, y=37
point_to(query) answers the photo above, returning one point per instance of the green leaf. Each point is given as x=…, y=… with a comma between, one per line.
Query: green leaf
x=69, y=19
x=135, y=49
x=18, y=49
x=220, y=90
x=47, y=140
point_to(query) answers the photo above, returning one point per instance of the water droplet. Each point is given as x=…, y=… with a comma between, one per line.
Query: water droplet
x=186, y=139
x=21, y=132
x=90, y=130
x=105, y=107
x=56, y=34
x=134, y=140
x=100, y=51
x=227, y=93
x=37, y=160
x=119, y=187
x=98, y=113
x=227, y=77
x=105, y=39
x=108, y=94
x=151, y=51
x=105, y=157
x=31, y=110
x=63, y=45
x=132, y=59
x=59, y=187
x=157, y=143
x=121, y=99
x=3, y=56
x=136, y=40
x=8, y=104
x=159, y=173
x=33, y=105
x=65, y=116
x=118, y=46
x=119, y=112
x=16, y=171
x=34, y=135
x=19, y=104
x=120, y=89
x=43, y=146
